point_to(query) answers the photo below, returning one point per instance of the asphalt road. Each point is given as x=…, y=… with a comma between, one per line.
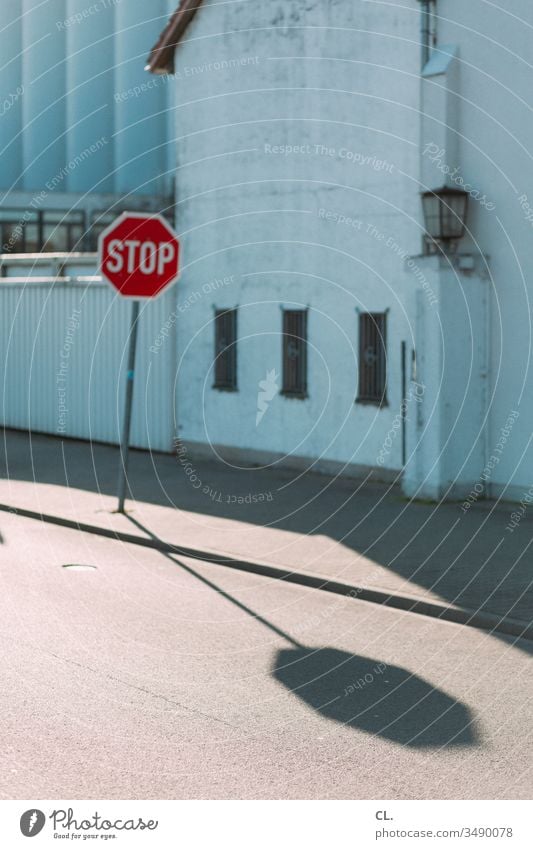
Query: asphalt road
x=151, y=677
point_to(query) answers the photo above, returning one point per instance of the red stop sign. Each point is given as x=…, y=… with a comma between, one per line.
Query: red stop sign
x=139, y=255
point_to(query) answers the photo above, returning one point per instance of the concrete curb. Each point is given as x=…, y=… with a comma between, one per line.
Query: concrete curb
x=399, y=601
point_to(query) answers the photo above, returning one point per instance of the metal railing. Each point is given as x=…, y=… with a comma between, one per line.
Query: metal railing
x=62, y=267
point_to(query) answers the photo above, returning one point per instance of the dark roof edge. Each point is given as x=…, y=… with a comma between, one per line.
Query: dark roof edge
x=161, y=58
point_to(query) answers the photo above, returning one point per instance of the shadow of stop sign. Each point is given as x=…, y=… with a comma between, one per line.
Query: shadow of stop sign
x=139, y=255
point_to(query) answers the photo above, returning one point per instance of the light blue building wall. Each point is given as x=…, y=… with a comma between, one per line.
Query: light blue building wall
x=272, y=99
x=299, y=136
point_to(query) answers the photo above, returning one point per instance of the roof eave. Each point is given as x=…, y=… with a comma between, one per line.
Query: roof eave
x=161, y=58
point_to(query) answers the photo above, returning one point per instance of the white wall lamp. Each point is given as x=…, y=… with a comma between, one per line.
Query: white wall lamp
x=445, y=212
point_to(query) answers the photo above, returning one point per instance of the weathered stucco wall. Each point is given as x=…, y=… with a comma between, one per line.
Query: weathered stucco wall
x=291, y=118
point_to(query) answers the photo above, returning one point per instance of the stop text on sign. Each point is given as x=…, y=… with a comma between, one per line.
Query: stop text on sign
x=139, y=255
x=132, y=254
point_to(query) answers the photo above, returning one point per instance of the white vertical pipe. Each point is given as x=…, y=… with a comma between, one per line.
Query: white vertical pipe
x=90, y=59
x=43, y=104
x=11, y=94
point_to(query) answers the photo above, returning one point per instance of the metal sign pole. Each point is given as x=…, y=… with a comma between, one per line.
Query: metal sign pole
x=126, y=424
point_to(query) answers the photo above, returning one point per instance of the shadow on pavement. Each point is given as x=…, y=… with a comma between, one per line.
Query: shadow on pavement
x=468, y=560
x=359, y=692
x=370, y=696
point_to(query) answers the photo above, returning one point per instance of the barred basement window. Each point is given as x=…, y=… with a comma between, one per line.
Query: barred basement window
x=372, y=358
x=225, y=349
x=295, y=353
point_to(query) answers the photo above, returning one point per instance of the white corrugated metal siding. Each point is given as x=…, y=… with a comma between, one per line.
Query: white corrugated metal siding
x=63, y=351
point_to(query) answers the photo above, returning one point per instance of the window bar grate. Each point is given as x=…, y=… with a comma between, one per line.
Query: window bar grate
x=295, y=353
x=225, y=349
x=372, y=358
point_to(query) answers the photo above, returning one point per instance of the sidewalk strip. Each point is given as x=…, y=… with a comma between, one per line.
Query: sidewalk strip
x=459, y=615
